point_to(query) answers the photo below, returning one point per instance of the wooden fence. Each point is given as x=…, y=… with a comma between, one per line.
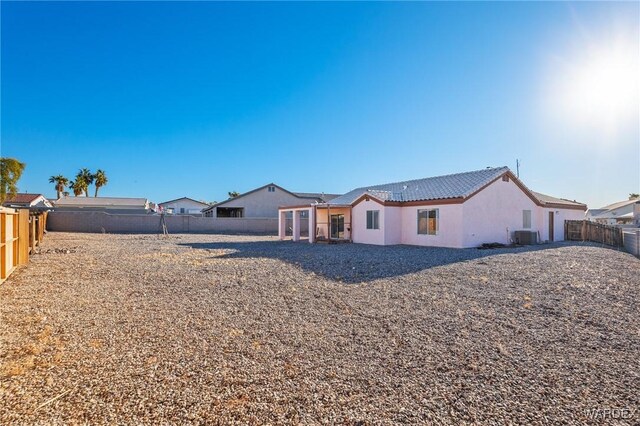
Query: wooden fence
x=20, y=233
x=584, y=230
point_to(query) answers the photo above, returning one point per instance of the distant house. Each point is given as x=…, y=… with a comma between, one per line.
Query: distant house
x=115, y=205
x=620, y=213
x=33, y=201
x=459, y=210
x=183, y=205
x=263, y=202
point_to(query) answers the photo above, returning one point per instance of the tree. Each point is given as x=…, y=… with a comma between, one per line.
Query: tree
x=233, y=194
x=100, y=179
x=86, y=177
x=79, y=186
x=61, y=183
x=633, y=195
x=10, y=172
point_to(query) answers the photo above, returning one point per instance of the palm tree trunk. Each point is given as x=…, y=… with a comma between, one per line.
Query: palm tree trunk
x=96, y=194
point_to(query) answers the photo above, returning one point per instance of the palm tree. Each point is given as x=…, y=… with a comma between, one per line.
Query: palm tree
x=100, y=179
x=61, y=182
x=85, y=176
x=79, y=186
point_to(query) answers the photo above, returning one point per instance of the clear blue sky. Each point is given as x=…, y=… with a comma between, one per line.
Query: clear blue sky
x=198, y=99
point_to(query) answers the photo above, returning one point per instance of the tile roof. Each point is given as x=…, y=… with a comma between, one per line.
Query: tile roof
x=316, y=195
x=458, y=185
x=23, y=198
x=553, y=200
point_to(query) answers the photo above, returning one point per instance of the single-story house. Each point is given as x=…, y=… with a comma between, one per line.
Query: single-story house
x=263, y=202
x=459, y=210
x=620, y=213
x=114, y=205
x=184, y=205
x=24, y=200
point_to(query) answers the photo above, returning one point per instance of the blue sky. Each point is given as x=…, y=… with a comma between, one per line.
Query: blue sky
x=198, y=99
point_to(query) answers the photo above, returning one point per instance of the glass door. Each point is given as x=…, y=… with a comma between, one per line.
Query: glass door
x=337, y=226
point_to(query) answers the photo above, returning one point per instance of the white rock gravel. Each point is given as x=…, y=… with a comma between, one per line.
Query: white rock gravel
x=213, y=329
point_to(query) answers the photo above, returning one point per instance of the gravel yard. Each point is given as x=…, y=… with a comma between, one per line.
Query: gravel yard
x=222, y=329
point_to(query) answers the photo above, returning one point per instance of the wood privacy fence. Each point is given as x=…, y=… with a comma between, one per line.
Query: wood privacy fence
x=20, y=233
x=584, y=230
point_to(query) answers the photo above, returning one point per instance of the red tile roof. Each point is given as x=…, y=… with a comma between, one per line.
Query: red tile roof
x=22, y=199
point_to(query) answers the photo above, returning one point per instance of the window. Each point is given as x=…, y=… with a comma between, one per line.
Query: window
x=271, y=189
x=373, y=219
x=230, y=212
x=428, y=221
x=526, y=219
x=505, y=178
x=181, y=210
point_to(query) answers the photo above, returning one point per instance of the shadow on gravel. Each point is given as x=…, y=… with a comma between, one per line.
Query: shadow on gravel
x=356, y=263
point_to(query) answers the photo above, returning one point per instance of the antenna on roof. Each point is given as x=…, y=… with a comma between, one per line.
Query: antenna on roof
x=517, y=168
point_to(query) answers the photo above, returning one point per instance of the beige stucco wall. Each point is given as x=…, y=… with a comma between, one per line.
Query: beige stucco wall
x=360, y=232
x=263, y=203
x=449, y=229
x=495, y=212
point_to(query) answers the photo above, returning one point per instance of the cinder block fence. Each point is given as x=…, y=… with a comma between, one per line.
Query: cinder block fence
x=97, y=222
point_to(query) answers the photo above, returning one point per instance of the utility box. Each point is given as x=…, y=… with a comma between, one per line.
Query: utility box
x=525, y=238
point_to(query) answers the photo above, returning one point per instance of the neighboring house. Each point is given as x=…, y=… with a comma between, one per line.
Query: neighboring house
x=458, y=210
x=620, y=213
x=263, y=202
x=115, y=205
x=32, y=201
x=183, y=205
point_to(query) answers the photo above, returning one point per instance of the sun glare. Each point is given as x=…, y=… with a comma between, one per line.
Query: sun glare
x=599, y=87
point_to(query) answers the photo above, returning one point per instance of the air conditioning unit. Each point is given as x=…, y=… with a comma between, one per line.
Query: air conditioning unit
x=525, y=237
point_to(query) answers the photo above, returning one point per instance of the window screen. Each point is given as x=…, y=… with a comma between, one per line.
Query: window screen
x=526, y=219
x=373, y=219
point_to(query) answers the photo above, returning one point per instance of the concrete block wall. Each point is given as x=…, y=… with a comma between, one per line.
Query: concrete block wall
x=96, y=222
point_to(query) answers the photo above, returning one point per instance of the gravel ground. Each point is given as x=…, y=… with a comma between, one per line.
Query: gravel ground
x=215, y=329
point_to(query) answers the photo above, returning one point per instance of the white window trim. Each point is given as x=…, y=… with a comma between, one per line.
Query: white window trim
x=375, y=222
x=437, y=230
x=524, y=224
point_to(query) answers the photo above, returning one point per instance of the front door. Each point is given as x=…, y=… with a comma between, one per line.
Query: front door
x=550, y=226
x=337, y=226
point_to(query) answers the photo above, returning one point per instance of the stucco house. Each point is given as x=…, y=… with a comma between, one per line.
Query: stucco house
x=458, y=210
x=24, y=200
x=620, y=213
x=263, y=202
x=115, y=205
x=184, y=205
